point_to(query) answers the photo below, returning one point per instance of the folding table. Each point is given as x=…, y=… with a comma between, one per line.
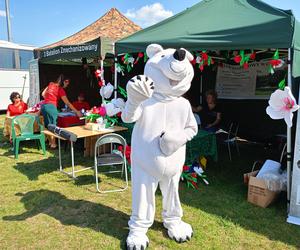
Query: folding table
x=80, y=132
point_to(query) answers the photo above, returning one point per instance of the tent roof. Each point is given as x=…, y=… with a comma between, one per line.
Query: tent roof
x=216, y=24
x=113, y=25
x=94, y=40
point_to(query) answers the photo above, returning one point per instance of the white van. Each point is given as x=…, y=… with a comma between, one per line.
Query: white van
x=14, y=71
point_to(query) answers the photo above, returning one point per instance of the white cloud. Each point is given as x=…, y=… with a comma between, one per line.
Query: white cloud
x=2, y=13
x=149, y=14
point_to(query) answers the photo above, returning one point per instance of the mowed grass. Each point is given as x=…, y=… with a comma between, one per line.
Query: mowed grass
x=40, y=208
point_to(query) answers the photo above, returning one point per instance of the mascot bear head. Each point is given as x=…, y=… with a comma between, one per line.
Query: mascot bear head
x=170, y=70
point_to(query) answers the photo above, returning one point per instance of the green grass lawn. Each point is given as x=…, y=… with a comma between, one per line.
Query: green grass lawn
x=40, y=208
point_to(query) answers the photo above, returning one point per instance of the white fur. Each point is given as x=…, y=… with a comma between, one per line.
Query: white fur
x=164, y=123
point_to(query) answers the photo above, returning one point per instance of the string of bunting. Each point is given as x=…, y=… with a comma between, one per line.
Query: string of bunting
x=201, y=59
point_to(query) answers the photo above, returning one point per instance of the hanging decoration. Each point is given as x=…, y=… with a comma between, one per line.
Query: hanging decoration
x=202, y=59
x=120, y=68
x=275, y=62
x=106, y=90
x=98, y=75
x=128, y=60
x=282, y=104
x=140, y=55
x=243, y=59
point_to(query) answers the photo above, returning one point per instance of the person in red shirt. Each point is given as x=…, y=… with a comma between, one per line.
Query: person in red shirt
x=81, y=103
x=17, y=107
x=52, y=94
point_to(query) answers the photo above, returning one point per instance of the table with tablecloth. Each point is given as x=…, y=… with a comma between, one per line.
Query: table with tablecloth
x=203, y=144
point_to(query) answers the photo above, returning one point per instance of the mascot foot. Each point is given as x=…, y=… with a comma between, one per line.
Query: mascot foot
x=137, y=241
x=180, y=232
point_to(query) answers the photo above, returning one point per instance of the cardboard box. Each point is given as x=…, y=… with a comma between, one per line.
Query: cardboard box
x=258, y=193
x=248, y=175
x=92, y=126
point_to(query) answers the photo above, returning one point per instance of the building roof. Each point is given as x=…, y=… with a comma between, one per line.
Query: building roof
x=113, y=25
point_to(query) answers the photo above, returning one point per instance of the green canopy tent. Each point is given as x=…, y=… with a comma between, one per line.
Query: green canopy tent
x=226, y=25
x=222, y=25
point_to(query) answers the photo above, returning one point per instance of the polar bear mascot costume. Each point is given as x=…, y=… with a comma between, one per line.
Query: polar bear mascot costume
x=164, y=123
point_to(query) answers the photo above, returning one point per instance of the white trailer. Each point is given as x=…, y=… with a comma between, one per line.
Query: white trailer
x=14, y=71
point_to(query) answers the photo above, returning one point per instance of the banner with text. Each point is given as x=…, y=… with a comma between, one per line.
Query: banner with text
x=235, y=82
x=34, y=83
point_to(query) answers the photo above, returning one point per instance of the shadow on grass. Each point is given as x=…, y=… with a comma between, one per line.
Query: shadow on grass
x=226, y=197
x=47, y=165
x=34, y=169
x=80, y=213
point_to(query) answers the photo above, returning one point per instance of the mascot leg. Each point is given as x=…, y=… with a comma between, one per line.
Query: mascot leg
x=143, y=208
x=172, y=211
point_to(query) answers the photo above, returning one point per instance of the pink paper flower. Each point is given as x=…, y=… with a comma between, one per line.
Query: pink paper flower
x=282, y=104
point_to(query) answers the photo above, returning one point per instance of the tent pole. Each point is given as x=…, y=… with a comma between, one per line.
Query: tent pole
x=201, y=90
x=116, y=78
x=289, y=137
x=102, y=74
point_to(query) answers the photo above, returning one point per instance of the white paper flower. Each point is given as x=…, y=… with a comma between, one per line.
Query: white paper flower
x=119, y=103
x=111, y=110
x=282, y=104
x=198, y=59
x=107, y=90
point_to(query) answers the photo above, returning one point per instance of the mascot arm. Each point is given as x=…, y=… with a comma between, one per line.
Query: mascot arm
x=131, y=112
x=171, y=141
x=139, y=89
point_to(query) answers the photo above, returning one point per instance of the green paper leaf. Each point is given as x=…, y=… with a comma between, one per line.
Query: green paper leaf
x=276, y=54
x=145, y=57
x=247, y=58
x=209, y=61
x=282, y=84
x=122, y=91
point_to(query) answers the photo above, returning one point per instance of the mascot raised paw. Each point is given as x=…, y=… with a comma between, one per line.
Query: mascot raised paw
x=164, y=122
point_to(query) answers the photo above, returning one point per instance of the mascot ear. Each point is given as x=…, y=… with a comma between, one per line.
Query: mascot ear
x=153, y=49
x=189, y=55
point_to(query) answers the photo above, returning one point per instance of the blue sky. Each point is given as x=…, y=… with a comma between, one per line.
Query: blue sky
x=41, y=22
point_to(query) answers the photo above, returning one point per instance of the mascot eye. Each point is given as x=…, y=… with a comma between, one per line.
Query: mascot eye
x=162, y=55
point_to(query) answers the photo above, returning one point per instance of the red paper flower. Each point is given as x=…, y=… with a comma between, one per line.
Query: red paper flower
x=99, y=110
x=127, y=152
x=246, y=65
x=100, y=83
x=98, y=73
x=140, y=55
x=204, y=56
x=276, y=63
x=237, y=59
x=253, y=56
x=194, y=175
x=193, y=62
x=201, y=67
x=185, y=168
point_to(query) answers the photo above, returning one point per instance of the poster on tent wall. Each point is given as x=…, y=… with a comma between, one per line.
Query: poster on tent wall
x=235, y=82
x=34, y=82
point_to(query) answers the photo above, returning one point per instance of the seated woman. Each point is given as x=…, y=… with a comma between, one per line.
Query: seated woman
x=81, y=103
x=17, y=107
x=210, y=112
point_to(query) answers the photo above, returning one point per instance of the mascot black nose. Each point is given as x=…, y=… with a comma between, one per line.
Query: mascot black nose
x=179, y=54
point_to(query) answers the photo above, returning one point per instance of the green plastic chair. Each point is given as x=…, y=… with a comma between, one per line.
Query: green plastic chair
x=25, y=122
